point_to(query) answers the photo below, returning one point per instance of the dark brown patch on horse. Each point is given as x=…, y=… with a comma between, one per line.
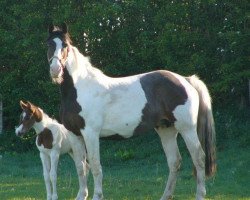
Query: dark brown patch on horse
x=45, y=138
x=70, y=108
x=164, y=92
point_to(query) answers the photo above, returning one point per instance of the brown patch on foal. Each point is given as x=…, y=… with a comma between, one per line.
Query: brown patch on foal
x=45, y=138
x=164, y=92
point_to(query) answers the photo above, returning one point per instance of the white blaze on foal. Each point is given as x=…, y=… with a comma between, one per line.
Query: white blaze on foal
x=52, y=140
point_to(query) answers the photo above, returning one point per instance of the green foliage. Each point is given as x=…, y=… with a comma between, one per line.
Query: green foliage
x=232, y=127
x=207, y=38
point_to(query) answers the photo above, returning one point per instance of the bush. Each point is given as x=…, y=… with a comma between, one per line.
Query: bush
x=207, y=38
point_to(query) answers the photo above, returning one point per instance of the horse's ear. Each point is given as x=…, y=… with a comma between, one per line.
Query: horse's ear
x=23, y=105
x=64, y=28
x=51, y=28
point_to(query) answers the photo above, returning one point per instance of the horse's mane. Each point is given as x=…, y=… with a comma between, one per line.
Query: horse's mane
x=83, y=61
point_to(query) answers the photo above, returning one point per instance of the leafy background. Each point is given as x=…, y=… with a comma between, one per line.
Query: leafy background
x=209, y=38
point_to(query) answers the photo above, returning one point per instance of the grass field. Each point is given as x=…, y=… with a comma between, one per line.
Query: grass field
x=133, y=169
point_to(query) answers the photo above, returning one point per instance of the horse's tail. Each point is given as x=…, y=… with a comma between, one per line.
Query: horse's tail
x=205, y=124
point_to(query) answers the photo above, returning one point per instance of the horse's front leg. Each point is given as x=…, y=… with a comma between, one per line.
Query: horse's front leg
x=91, y=139
x=54, y=157
x=46, y=168
x=79, y=157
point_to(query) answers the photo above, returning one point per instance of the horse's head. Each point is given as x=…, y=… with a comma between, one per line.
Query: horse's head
x=58, y=48
x=28, y=117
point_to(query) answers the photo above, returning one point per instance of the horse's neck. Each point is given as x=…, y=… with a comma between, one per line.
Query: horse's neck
x=76, y=64
x=45, y=122
x=79, y=67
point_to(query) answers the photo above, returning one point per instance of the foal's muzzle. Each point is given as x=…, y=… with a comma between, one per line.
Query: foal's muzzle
x=19, y=131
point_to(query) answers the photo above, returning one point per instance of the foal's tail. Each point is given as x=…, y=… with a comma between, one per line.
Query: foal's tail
x=205, y=124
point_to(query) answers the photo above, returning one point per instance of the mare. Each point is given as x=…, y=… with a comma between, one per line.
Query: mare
x=95, y=105
x=52, y=140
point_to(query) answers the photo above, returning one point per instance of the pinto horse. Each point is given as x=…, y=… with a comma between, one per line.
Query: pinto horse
x=95, y=105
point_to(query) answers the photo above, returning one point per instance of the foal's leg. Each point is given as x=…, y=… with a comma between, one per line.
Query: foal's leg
x=54, y=157
x=79, y=157
x=198, y=156
x=46, y=168
x=91, y=139
x=169, y=143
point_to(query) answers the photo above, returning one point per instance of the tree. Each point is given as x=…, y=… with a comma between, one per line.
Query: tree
x=205, y=37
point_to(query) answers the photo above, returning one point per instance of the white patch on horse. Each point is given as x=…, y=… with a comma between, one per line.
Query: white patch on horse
x=124, y=111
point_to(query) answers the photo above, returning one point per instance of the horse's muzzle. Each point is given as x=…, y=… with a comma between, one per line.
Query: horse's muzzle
x=56, y=72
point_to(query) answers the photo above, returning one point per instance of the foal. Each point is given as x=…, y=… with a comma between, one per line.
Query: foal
x=52, y=140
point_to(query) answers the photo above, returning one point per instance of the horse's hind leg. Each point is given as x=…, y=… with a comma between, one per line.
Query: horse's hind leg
x=198, y=156
x=169, y=143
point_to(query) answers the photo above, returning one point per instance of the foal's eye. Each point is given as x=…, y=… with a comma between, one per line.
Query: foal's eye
x=27, y=117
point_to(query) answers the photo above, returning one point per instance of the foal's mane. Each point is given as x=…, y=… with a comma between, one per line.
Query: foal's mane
x=45, y=116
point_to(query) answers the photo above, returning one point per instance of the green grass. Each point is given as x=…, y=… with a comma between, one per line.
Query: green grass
x=133, y=169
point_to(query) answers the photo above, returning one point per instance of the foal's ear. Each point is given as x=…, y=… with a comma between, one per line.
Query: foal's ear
x=51, y=28
x=23, y=105
x=31, y=107
x=64, y=28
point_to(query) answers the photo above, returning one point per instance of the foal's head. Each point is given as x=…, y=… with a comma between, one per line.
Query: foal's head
x=28, y=117
x=58, y=48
